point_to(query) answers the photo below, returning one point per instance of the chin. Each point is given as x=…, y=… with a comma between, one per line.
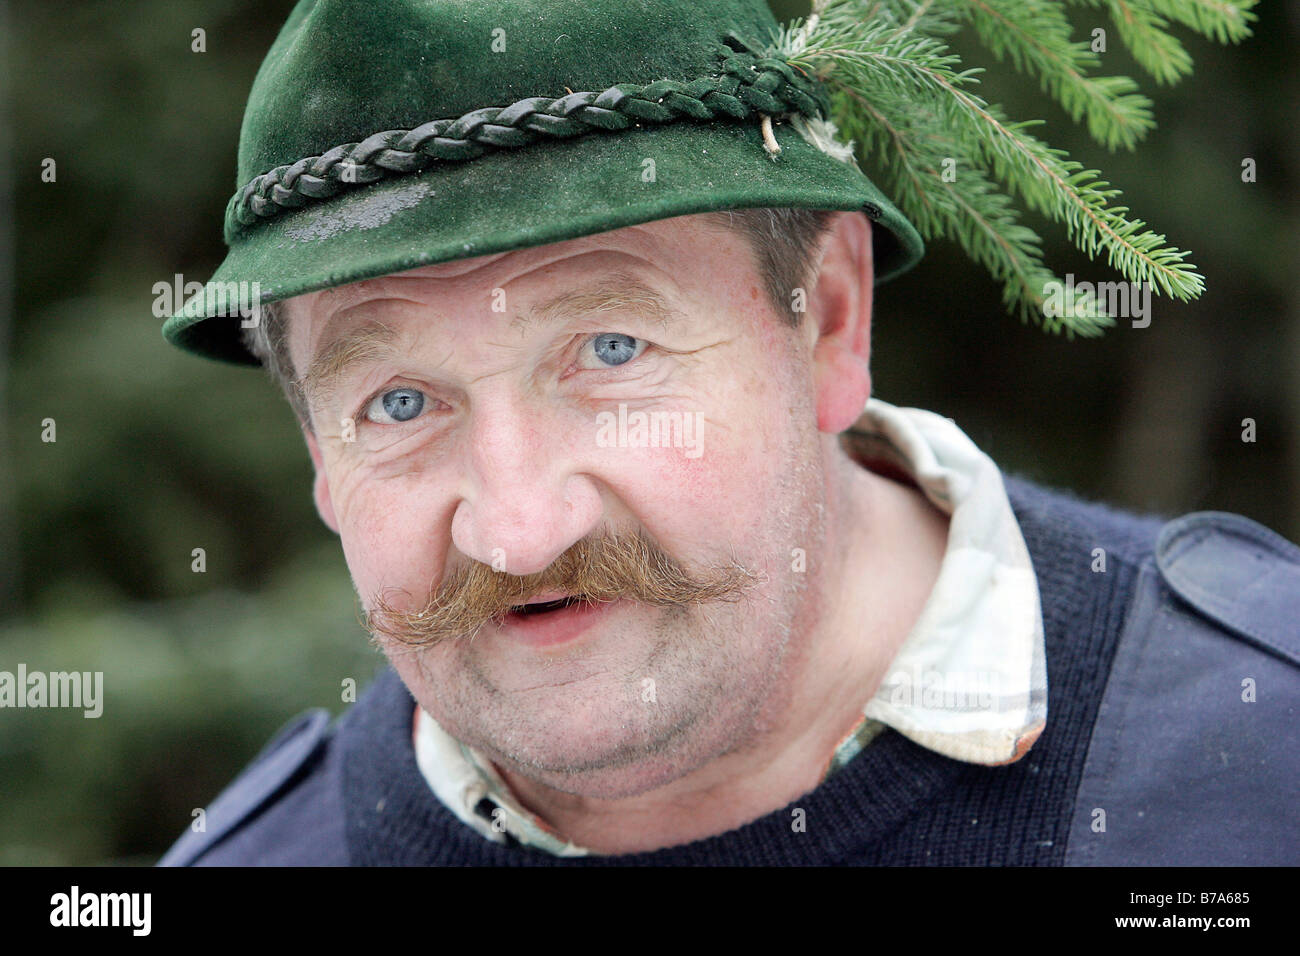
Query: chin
x=601, y=742
x=605, y=769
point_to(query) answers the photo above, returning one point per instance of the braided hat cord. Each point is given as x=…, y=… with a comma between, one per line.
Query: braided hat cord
x=749, y=84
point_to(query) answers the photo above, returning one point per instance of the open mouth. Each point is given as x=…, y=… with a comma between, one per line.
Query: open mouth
x=545, y=607
x=554, y=619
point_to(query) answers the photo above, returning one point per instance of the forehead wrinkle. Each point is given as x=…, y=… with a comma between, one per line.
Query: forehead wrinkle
x=613, y=292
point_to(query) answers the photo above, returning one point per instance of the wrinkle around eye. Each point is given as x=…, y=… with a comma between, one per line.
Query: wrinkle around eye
x=381, y=447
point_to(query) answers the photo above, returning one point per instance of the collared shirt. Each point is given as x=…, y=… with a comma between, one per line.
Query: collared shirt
x=968, y=682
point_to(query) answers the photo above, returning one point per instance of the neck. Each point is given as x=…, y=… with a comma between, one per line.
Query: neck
x=879, y=531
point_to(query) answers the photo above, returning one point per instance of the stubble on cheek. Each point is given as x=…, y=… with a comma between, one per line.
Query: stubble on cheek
x=722, y=675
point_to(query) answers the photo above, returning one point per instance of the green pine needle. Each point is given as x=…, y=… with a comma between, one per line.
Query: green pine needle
x=1143, y=33
x=1035, y=36
x=952, y=160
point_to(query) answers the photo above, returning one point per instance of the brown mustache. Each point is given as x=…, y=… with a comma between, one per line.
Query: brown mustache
x=602, y=568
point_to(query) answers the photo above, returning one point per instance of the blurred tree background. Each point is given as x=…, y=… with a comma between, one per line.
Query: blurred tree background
x=158, y=453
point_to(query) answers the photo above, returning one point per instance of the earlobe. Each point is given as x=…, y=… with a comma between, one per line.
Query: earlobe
x=844, y=385
x=320, y=483
x=842, y=309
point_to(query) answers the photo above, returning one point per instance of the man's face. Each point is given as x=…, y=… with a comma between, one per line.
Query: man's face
x=493, y=428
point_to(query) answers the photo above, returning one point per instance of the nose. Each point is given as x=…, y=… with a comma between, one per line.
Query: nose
x=523, y=501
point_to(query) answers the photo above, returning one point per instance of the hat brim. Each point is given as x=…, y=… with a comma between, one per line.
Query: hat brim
x=538, y=194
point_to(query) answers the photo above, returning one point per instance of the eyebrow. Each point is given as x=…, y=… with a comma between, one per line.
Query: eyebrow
x=370, y=342
x=374, y=341
x=613, y=292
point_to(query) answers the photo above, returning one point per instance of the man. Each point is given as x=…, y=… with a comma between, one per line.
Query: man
x=659, y=580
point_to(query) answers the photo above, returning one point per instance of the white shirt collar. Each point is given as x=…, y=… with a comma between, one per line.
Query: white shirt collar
x=970, y=680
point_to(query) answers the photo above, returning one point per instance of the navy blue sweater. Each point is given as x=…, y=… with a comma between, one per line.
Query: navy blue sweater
x=358, y=797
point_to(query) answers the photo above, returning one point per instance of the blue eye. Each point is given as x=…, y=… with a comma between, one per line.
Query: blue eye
x=400, y=405
x=614, y=348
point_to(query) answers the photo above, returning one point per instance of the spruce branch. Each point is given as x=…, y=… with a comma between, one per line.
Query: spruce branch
x=1035, y=36
x=970, y=209
x=899, y=90
x=1143, y=33
x=1224, y=21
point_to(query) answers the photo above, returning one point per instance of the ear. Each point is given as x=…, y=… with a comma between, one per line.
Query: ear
x=320, y=484
x=839, y=315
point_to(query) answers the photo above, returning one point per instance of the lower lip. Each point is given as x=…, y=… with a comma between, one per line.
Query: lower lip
x=556, y=627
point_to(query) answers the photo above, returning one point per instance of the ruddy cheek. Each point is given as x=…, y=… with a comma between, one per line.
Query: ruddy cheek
x=379, y=550
x=365, y=575
x=713, y=483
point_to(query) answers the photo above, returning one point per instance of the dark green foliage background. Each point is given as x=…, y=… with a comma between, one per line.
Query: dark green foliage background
x=159, y=453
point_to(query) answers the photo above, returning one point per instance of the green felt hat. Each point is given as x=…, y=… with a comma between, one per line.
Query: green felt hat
x=383, y=135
